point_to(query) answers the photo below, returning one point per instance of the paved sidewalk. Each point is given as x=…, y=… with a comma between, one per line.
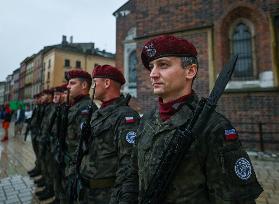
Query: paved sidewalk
x=16, y=189
x=16, y=157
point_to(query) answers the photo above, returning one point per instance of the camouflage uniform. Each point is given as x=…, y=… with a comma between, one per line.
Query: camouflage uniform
x=77, y=114
x=56, y=166
x=103, y=169
x=212, y=171
x=34, y=129
x=44, y=140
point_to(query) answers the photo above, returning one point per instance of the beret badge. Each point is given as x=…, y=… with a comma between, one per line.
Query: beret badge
x=150, y=50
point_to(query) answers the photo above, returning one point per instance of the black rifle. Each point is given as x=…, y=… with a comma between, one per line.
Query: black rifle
x=183, y=138
x=76, y=185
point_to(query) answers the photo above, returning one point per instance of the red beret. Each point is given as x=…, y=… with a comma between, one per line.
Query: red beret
x=77, y=74
x=166, y=46
x=109, y=72
x=61, y=88
x=48, y=91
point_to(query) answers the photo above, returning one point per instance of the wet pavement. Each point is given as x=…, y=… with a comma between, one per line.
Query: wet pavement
x=16, y=157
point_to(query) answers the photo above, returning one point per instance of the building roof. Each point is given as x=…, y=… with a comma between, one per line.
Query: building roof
x=84, y=48
x=127, y=6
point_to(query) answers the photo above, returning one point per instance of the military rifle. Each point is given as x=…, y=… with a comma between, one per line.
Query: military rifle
x=183, y=139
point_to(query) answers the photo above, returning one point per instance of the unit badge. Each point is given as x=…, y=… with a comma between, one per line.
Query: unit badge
x=150, y=50
x=243, y=168
x=131, y=137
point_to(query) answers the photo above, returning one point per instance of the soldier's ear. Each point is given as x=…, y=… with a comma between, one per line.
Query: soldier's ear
x=107, y=83
x=84, y=85
x=191, y=71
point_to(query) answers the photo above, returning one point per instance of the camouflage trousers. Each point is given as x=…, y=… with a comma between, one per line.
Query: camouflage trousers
x=96, y=196
x=45, y=158
x=35, y=146
x=58, y=176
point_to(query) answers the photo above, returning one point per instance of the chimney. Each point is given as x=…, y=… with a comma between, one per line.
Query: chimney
x=64, y=39
x=71, y=39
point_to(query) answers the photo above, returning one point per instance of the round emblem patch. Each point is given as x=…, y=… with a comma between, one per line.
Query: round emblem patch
x=131, y=137
x=243, y=168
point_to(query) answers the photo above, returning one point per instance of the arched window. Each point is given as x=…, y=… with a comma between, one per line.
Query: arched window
x=132, y=63
x=242, y=44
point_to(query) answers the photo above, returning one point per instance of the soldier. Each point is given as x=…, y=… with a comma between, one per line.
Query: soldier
x=36, y=171
x=113, y=132
x=55, y=169
x=79, y=83
x=44, y=144
x=215, y=168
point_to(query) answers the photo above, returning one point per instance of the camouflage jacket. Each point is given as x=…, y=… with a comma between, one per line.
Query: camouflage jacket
x=35, y=114
x=216, y=169
x=48, y=122
x=57, y=125
x=113, y=134
x=77, y=114
x=35, y=123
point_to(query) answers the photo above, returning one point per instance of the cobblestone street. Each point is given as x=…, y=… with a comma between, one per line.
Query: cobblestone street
x=17, y=157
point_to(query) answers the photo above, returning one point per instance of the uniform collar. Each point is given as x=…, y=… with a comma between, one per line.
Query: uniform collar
x=110, y=107
x=181, y=117
x=79, y=98
x=107, y=103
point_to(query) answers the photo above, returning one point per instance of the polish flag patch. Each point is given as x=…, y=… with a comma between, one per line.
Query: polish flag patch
x=130, y=119
x=230, y=134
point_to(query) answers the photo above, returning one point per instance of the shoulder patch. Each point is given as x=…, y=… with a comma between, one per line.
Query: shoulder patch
x=230, y=134
x=130, y=119
x=243, y=168
x=131, y=137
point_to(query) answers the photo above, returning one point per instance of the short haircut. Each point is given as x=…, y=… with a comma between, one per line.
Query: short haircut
x=186, y=61
x=89, y=82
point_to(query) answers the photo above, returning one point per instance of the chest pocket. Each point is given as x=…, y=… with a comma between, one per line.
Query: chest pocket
x=103, y=139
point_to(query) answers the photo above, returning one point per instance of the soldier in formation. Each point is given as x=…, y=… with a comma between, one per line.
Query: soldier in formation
x=113, y=133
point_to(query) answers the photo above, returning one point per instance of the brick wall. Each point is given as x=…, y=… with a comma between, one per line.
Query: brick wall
x=193, y=20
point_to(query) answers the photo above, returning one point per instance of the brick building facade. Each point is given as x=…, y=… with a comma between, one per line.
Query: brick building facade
x=218, y=29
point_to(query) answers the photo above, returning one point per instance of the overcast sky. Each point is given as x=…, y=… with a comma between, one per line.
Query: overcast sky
x=26, y=26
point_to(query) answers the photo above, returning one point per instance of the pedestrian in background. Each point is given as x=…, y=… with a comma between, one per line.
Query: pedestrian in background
x=19, y=121
x=6, y=122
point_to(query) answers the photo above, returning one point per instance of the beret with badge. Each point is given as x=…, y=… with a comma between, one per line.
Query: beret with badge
x=166, y=46
x=109, y=72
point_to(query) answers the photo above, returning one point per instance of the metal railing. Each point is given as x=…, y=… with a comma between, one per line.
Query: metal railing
x=259, y=133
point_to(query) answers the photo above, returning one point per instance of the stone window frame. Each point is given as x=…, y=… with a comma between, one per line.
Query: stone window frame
x=259, y=80
x=130, y=46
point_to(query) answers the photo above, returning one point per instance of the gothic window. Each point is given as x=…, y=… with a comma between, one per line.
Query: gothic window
x=242, y=44
x=132, y=63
